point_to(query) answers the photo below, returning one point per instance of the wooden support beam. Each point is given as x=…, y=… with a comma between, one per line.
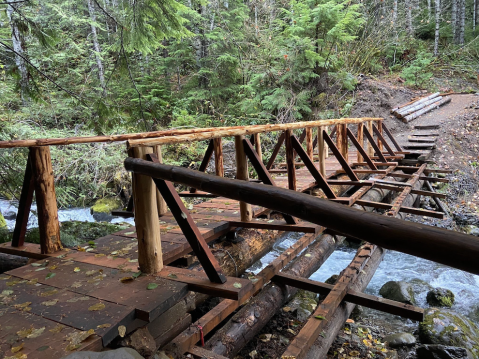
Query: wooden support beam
x=47, y=209
x=423, y=178
x=150, y=257
x=414, y=191
x=361, y=152
x=374, y=146
x=257, y=146
x=242, y=173
x=382, y=140
x=320, y=180
x=24, y=206
x=162, y=209
x=262, y=172
x=370, y=148
x=321, y=151
x=189, y=228
x=342, y=140
x=342, y=161
x=309, y=142
x=206, y=160
x=290, y=160
x=391, y=137
x=276, y=149
x=352, y=296
x=360, y=139
x=276, y=226
x=218, y=149
x=435, y=196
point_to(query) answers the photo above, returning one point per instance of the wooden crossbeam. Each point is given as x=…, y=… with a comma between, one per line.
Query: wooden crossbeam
x=318, y=177
x=276, y=149
x=422, y=178
x=391, y=137
x=414, y=191
x=370, y=301
x=383, y=140
x=342, y=161
x=189, y=228
x=275, y=225
x=262, y=172
x=360, y=149
x=410, y=210
x=375, y=147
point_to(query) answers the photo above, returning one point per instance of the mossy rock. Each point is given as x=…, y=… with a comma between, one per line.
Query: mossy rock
x=102, y=208
x=399, y=291
x=305, y=300
x=441, y=326
x=3, y=223
x=440, y=297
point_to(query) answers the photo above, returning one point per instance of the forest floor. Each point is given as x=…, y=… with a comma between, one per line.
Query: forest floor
x=457, y=148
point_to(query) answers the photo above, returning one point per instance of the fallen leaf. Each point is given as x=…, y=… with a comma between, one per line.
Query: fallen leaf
x=33, y=281
x=265, y=337
x=91, y=272
x=57, y=329
x=50, y=275
x=320, y=317
x=122, y=330
x=48, y=293
x=136, y=275
x=76, y=285
x=30, y=333
x=78, y=337
x=237, y=285
x=354, y=353
x=172, y=275
x=39, y=269
x=350, y=321
x=287, y=309
x=76, y=269
x=23, y=305
x=17, y=356
x=106, y=325
x=6, y=292
x=17, y=349
x=291, y=331
x=126, y=279
x=152, y=286
x=98, y=306
x=50, y=303
x=52, y=267
x=99, y=255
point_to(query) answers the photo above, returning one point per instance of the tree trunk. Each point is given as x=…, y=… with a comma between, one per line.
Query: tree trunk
x=428, y=9
x=476, y=10
x=436, y=35
x=96, y=46
x=409, y=27
x=19, y=46
x=454, y=20
x=462, y=20
x=395, y=12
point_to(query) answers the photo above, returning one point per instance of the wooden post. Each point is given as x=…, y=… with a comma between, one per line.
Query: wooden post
x=242, y=174
x=162, y=208
x=290, y=160
x=46, y=199
x=380, y=128
x=326, y=148
x=309, y=142
x=342, y=140
x=370, y=150
x=218, y=148
x=146, y=218
x=257, y=146
x=360, y=140
x=321, y=151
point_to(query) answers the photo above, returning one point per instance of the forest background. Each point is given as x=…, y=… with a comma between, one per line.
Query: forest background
x=78, y=68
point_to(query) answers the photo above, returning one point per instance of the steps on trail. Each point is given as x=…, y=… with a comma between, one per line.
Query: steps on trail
x=425, y=134
x=429, y=146
x=424, y=139
x=426, y=127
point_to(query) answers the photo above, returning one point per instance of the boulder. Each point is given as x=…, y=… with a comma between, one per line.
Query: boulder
x=420, y=286
x=302, y=314
x=332, y=280
x=398, y=291
x=102, y=208
x=436, y=351
x=142, y=341
x=445, y=327
x=398, y=340
x=10, y=215
x=440, y=297
x=122, y=353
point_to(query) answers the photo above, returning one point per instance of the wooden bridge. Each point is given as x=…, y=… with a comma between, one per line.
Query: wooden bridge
x=84, y=298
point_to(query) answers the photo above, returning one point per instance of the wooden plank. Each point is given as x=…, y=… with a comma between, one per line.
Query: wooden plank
x=318, y=177
x=419, y=146
x=422, y=178
x=276, y=226
x=69, y=308
x=425, y=133
x=199, y=352
x=234, y=288
x=352, y=296
x=410, y=210
x=50, y=341
x=29, y=250
x=426, y=127
x=47, y=210
x=190, y=229
x=342, y=140
x=174, y=331
x=414, y=191
x=421, y=139
x=24, y=205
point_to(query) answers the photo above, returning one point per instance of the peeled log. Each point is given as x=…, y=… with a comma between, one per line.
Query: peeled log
x=249, y=321
x=417, y=107
x=413, y=103
x=426, y=109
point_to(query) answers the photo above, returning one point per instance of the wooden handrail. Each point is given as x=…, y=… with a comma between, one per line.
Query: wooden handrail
x=447, y=247
x=243, y=131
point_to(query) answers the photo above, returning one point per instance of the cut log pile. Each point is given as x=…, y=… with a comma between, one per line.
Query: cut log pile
x=412, y=110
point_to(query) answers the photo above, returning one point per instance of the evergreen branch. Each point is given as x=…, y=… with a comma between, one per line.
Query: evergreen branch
x=72, y=94
x=106, y=12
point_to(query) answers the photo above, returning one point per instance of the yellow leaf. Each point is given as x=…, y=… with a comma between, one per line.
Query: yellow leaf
x=122, y=330
x=76, y=269
x=80, y=249
x=48, y=293
x=78, y=337
x=23, y=305
x=50, y=303
x=57, y=329
x=370, y=337
x=17, y=349
x=350, y=321
x=354, y=353
x=126, y=279
x=98, y=306
x=53, y=267
x=106, y=325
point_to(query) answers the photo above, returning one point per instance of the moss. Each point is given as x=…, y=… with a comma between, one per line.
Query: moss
x=106, y=205
x=3, y=223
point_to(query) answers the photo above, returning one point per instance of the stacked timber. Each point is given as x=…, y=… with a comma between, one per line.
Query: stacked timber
x=412, y=110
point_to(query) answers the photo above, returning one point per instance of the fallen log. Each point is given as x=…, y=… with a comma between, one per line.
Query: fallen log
x=414, y=102
x=451, y=248
x=416, y=114
x=417, y=107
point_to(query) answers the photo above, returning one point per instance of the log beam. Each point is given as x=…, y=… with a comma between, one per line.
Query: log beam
x=246, y=211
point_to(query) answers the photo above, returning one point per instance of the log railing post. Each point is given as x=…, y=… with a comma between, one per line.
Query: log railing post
x=290, y=155
x=46, y=199
x=218, y=148
x=360, y=138
x=309, y=142
x=370, y=149
x=326, y=148
x=321, y=151
x=242, y=174
x=162, y=209
x=380, y=128
x=342, y=140
x=257, y=146
x=146, y=217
